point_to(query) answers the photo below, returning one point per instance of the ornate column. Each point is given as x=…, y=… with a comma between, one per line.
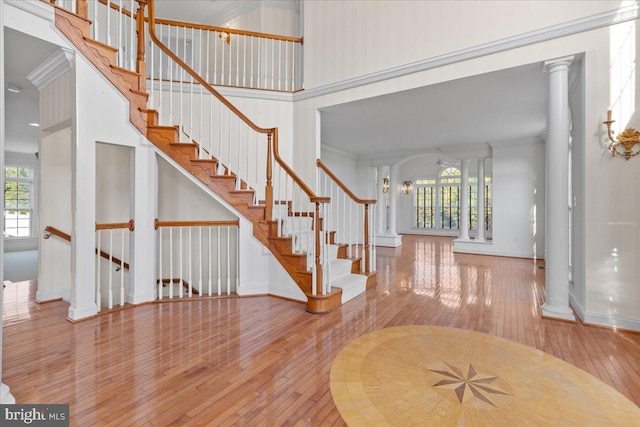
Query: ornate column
x=393, y=199
x=557, y=192
x=381, y=220
x=464, y=200
x=480, y=200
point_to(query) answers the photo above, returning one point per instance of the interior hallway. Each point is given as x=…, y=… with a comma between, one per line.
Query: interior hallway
x=265, y=361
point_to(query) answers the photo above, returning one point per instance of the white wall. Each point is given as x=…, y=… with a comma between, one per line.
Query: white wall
x=518, y=199
x=346, y=39
x=54, y=256
x=272, y=20
x=344, y=165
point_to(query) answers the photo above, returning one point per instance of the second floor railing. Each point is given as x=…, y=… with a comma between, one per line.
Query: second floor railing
x=112, y=245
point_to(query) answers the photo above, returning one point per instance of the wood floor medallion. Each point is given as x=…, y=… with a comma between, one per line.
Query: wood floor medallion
x=431, y=375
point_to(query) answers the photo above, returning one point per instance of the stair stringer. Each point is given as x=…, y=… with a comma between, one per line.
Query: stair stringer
x=259, y=270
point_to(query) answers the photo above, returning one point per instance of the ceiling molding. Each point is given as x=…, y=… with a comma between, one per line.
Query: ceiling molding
x=604, y=19
x=283, y=4
x=51, y=68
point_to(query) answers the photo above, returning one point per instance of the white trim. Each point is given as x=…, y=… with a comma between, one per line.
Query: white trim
x=81, y=313
x=604, y=19
x=136, y=299
x=34, y=7
x=65, y=294
x=601, y=319
x=51, y=68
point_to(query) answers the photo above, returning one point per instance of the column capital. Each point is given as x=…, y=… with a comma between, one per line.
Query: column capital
x=558, y=64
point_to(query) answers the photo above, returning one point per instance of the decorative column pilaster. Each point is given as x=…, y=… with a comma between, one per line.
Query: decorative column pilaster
x=464, y=200
x=480, y=201
x=557, y=208
x=380, y=206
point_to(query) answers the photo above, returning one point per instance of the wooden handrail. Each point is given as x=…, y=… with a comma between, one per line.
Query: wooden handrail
x=232, y=223
x=229, y=30
x=114, y=225
x=343, y=186
x=55, y=232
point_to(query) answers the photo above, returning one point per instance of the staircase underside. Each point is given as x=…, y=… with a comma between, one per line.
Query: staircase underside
x=167, y=139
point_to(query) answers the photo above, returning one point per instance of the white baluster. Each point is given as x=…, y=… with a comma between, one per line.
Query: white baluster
x=215, y=59
x=122, y=268
x=218, y=261
x=170, y=65
x=160, y=263
x=132, y=42
x=190, y=265
x=286, y=66
x=251, y=71
x=238, y=143
x=273, y=62
x=279, y=64
x=222, y=64
x=228, y=262
x=181, y=258
x=200, y=261
x=244, y=61
x=237, y=63
x=170, y=262
x=98, y=294
x=109, y=22
x=210, y=262
x=95, y=29
x=110, y=269
x=120, y=47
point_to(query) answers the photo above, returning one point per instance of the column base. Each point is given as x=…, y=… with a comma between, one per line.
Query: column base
x=81, y=313
x=6, y=398
x=389, y=241
x=562, y=313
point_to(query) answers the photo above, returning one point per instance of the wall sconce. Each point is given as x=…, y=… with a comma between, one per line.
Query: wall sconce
x=385, y=184
x=224, y=36
x=406, y=187
x=627, y=139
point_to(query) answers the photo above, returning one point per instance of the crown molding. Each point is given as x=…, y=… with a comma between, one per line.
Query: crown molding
x=51, y=68
x=34, y=7
x=604, y=19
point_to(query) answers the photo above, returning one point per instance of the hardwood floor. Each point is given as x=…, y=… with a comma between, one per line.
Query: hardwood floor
x=265, y=361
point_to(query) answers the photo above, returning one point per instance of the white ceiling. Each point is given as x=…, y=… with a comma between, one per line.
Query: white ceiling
x=500, y=106
x=23, y=53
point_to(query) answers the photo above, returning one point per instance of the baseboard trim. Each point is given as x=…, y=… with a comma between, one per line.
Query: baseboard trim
x=603, y=321
x=57, y=295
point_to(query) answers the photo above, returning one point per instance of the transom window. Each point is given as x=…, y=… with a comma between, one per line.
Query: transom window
x=18, y=196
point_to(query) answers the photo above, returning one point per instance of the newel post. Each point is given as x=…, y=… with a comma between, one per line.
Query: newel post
x=141, y=66
x=268, y=191
x=82, y=8
x=367, y=267
x=317, y=226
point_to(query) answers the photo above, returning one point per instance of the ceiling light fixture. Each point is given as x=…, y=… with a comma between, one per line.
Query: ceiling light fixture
x=14, y=89
x=406, y=187
x=225, y=36
x=34, y=124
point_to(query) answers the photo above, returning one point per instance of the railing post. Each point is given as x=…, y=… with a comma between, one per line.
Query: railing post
x=316, y=222
x=82, y=9
x=141, y=66
x=268, y=191
x=367, y=267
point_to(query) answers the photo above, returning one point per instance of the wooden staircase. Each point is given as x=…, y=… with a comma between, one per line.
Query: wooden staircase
x=167, y=138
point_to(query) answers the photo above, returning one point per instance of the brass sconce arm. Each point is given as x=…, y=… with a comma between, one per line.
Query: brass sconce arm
x=625, y=140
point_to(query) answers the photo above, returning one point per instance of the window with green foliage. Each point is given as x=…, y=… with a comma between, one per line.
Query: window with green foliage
x=18, y=208
x=437, y=201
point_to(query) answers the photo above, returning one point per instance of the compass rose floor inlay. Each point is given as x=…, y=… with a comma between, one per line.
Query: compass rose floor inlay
x=429, y=375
